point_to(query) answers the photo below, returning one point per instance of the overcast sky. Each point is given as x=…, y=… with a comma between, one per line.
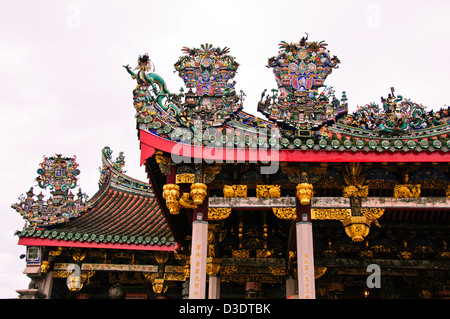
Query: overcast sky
x=63, y=88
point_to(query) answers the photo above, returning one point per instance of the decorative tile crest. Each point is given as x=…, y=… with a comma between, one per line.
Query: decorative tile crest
x=58, y=173
x=300, y=70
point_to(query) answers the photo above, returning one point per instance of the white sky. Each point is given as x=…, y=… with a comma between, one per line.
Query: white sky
x=63, y=88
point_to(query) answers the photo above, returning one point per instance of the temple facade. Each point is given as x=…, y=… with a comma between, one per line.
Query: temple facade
x=311, y=202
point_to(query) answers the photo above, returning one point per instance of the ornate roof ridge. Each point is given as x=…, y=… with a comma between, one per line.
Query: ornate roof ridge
x=302, y=113
x=113, y=174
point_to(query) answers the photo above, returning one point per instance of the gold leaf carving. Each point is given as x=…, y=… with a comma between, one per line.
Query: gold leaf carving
x=285, y=212
x=218, y=213
x=234, y=191
x=268, y=191
x=407, y=191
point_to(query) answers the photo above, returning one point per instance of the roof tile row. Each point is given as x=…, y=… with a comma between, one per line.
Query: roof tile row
x=116, y=217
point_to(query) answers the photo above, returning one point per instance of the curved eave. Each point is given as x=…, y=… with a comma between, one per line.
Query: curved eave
x=150, y=142
x=33, y=241
x=118, y=220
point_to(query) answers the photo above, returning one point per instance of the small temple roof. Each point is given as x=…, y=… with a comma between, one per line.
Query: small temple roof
x=123, y=214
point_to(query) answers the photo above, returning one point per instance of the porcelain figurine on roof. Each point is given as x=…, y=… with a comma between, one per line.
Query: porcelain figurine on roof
x=300, y=70
x=151, y=96
x=398, y=116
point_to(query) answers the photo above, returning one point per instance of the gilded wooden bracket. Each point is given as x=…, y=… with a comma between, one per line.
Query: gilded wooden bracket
x=330, y=213
x=161, y=257
x=184, y=178
x=304, y=193
x=361, y=191
x=163, y=162
x=358, y=227
x=159, y=286
x=45, y=266
x=319, y=272
x=78, y=255
x=198, y=193
x=213, y=266
x=234, y=191
x=264, y=253
x=355, y=178
x=187, y=202
x=265, y=191
x=54, y=253
x=171, y=193
x=218, y=213
x=407, y=191
x=285, y=212
x=373, y=214
x=240, y=253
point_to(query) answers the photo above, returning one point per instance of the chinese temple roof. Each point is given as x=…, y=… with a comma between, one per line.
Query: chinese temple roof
x=123, y=214
x=306, y=121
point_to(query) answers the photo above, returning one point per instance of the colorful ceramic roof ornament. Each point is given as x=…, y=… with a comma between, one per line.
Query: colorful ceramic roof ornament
x=300, y=70
x=208, y=73
x=398, y=116
x=123, y=214
x=57, y=173
x=302, y=113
